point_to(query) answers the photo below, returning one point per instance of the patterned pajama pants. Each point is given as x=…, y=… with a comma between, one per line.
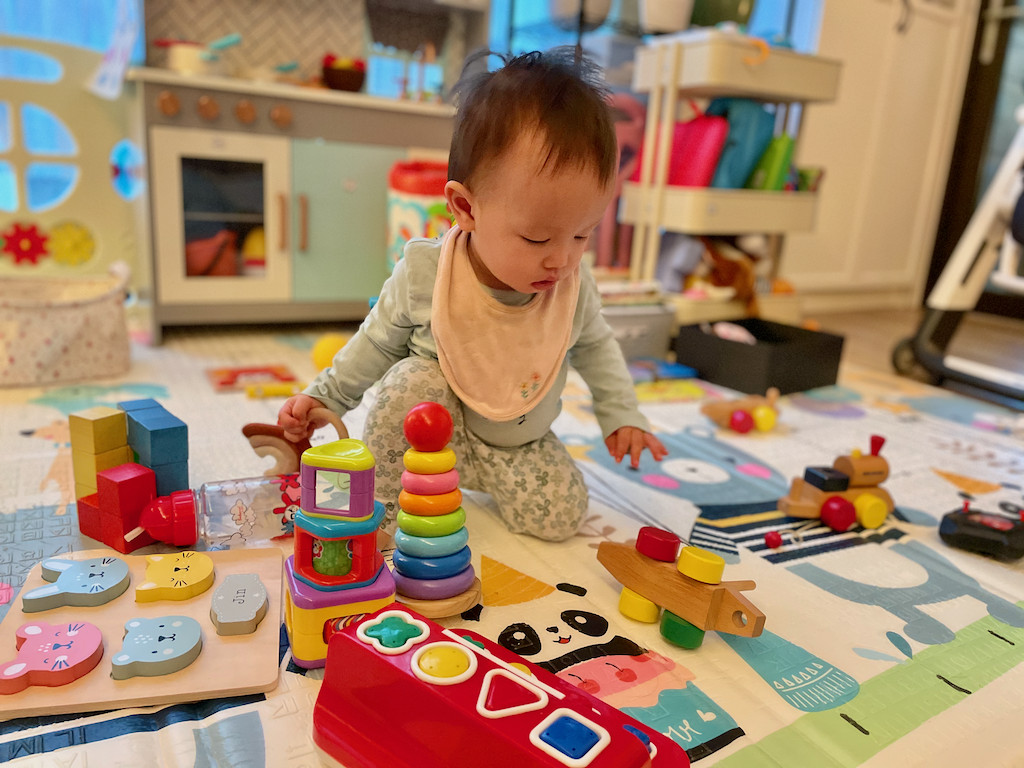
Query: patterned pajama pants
x=537, y=487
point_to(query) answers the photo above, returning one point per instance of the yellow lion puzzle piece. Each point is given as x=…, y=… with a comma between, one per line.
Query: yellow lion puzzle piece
x=178, y=576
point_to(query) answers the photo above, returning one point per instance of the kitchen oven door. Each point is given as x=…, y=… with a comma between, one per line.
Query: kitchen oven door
x=220, y=217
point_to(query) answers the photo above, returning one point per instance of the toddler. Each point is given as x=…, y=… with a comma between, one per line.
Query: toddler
x=486, y=320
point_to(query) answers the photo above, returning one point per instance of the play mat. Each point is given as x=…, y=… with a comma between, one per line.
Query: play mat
x=881, y=647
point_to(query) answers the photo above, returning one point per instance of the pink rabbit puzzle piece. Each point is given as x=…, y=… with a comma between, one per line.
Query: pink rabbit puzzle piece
x=51, y=655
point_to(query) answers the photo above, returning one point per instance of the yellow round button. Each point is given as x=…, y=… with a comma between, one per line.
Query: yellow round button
x=871, y=510
x=443, y=661
x=635, y=606
x=429, y=462
x=701, y=565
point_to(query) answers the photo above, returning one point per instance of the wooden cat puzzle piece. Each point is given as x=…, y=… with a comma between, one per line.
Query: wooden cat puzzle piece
x=51, y=655
x=179, y=576
x=78, y=583
x=239, y=604
x=158, y=646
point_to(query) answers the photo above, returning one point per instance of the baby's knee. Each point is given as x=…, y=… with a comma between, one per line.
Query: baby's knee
x=554, y=517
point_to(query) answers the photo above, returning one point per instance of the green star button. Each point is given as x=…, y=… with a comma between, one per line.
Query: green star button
x=393, y=632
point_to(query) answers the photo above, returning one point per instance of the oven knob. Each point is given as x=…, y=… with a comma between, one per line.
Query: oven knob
x=245, y=112
x=168, y=104
x=281, y=115
x=208, y=108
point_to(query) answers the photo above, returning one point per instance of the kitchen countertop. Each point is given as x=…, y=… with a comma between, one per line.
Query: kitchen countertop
x=238, y=85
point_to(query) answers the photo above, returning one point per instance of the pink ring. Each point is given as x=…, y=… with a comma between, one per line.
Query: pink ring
x=430, y=485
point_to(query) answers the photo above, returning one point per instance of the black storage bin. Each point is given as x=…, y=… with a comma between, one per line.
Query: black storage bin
x=790, y=358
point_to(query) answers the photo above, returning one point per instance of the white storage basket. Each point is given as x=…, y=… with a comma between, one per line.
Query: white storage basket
x=63, y=330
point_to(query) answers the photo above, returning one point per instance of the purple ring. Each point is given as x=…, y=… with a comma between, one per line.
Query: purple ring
x=435, y=589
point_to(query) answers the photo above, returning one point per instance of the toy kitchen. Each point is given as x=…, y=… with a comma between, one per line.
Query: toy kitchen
x=268, y=199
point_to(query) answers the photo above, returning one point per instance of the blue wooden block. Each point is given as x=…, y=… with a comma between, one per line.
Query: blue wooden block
x=157, y=437
x=171, y=477
x=139, y=405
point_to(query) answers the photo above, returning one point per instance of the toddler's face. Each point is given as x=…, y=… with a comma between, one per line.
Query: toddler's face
x=530, y=226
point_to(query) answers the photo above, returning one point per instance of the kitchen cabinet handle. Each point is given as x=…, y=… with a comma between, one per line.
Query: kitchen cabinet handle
x=282, y=202
x=303, y=223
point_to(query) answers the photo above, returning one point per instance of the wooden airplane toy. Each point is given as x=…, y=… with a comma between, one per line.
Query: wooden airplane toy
x=690, y=589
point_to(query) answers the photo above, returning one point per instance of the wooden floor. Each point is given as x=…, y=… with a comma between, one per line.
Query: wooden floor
x=871, y=337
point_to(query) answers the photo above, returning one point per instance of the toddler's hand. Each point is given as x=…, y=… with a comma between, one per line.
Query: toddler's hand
x=294, y=419
x=632, y=440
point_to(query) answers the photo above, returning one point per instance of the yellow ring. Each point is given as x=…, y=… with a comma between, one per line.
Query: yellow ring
x=701, y=565
x=635, y=606
x=431, y=506
x=429, y=462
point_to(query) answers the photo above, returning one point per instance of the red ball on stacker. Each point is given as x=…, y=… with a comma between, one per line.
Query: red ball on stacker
x=428, y=427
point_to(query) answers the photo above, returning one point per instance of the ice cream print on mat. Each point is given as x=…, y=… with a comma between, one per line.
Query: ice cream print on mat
x=78, y=582
x=557, y=628
x=51, y=655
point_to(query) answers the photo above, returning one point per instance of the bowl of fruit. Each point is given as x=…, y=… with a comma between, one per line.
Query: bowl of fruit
x=342, y=73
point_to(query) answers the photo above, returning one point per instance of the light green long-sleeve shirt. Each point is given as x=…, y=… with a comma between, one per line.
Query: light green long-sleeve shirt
x=398, y=326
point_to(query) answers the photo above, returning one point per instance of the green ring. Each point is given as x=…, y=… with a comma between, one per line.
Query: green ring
x=680, y=632
x=433, y=525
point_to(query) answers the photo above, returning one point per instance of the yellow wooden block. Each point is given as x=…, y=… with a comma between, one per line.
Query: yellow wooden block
x=701, y=565
x=86, y=465
x=85, y=489
x=637, y=607
x=98, y=429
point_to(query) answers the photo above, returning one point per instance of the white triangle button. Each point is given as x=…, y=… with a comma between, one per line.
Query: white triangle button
x=504, y=693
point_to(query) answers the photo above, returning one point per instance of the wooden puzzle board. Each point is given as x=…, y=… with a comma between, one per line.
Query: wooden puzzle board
x=227, y=666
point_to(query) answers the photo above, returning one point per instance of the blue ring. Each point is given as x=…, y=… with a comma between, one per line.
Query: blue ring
x=431, y=546
x=432, y=568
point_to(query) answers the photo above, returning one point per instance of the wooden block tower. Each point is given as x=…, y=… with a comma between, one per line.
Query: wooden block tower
x=337, y=571
x=433, y=574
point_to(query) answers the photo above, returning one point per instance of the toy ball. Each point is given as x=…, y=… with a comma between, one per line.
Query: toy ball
x=741, y=421
x=764, y=418
x=773, y=539
x=838, y=513
x=326, y=347
x=428, y=427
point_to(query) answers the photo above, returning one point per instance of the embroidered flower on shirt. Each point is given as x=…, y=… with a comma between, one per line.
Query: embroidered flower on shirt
x=527, y=388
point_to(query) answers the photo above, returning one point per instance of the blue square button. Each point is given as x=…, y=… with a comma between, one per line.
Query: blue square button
x=569, y=736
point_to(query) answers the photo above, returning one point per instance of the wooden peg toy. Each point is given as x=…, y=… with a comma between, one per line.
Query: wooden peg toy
x=689, y=590
x=269, y=440
x=849, y=491
x=745, y=413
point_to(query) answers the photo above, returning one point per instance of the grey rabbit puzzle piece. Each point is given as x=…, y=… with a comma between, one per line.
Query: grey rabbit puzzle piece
x=239, y=604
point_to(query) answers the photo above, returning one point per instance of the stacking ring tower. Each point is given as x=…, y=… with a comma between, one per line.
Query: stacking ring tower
x=432, y=569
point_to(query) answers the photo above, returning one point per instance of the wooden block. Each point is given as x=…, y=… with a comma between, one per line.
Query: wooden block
x=239, y=604
x=98, y=429
x=85, y=488
x=170, y=477
x=127, y=488
x=39, y=662
x=87, y=465
x=227, y=666
x=157, y=436
x=827, y=478
x=720, y=607
x=157, y=646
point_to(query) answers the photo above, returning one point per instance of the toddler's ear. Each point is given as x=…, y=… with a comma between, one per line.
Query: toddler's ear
x=460, y=203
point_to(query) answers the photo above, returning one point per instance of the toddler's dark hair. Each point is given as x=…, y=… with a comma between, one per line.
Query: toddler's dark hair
x=559, y=92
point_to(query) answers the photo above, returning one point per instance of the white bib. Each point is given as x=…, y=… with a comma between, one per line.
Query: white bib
x=500, y=360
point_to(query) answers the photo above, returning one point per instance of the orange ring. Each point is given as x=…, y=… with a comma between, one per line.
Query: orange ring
x=430, y=506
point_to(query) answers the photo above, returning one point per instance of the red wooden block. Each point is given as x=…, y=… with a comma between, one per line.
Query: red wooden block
x=658, y=544
x=89, y=518
x=123, y=493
